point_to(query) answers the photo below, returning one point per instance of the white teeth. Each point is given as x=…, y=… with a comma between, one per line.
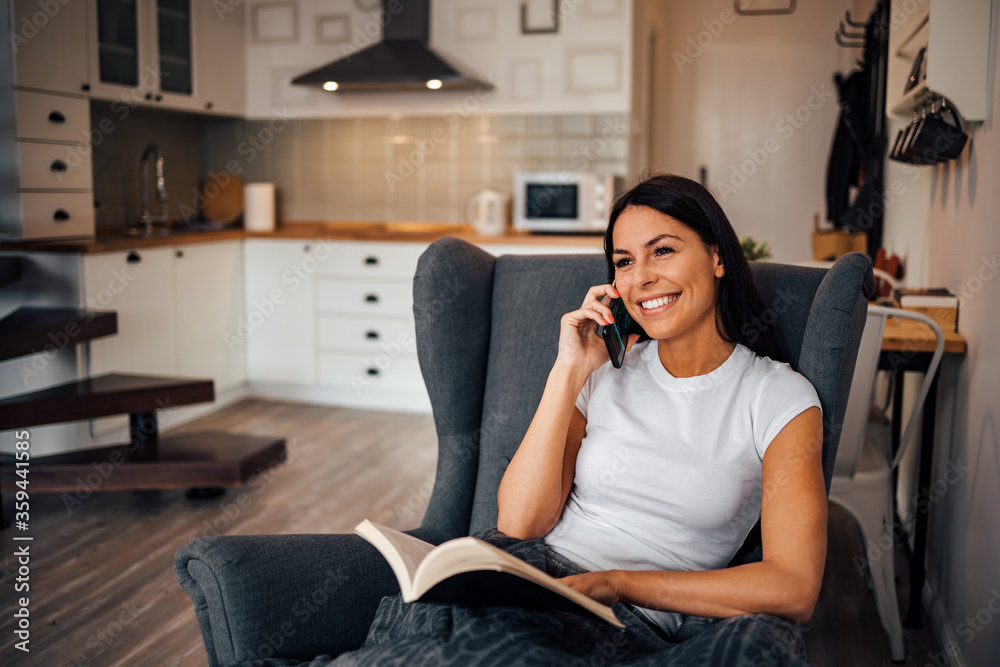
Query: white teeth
x=656, y=303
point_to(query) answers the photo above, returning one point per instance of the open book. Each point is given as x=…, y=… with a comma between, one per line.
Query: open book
x=474, y=573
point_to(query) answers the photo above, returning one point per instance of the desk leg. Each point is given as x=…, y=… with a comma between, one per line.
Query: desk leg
x=917, y=571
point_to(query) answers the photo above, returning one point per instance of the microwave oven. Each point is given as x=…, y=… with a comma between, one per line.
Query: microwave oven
x=564, y=201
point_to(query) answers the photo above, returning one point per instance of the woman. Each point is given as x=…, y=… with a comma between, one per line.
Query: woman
x=641, y=483
x=693, y=427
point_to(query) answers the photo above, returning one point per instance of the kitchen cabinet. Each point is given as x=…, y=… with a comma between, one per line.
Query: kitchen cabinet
x=220, y=62
x=175, y=306
x=48, y=47
x=137, y=285
x=336, y=320
x=177, y=54
x=208, y=296
x=366, y=336
x=46, y=181
x=955, y=35
x=278, y=331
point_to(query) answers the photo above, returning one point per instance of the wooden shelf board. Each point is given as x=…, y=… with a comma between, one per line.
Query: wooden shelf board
x=102, y=396
x=30, y=329
x=208, y=458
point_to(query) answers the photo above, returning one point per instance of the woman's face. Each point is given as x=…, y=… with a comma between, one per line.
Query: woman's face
x=667, y=277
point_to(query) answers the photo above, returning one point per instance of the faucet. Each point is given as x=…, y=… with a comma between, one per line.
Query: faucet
x=161, y=187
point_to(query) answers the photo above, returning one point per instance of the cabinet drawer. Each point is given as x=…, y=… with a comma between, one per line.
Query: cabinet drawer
x=53, y=167
x=54, y=215
x=52, y=117
x=362, y=298
x=365, y=372
x=377, y=260
x=368, y=334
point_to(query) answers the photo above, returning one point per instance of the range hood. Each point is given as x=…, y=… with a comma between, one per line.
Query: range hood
x=401, y=61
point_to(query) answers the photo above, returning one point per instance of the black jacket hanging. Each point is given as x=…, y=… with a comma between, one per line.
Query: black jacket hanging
x=847, y=150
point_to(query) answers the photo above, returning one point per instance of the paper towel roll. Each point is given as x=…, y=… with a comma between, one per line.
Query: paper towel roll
x=258, y=207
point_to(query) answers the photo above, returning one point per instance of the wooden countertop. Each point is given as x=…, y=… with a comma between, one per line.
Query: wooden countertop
x=902, y=335
x=361, y=231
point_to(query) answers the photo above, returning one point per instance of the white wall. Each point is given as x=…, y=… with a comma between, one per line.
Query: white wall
x=752, y=99
x=584, y=68
x=946, y=227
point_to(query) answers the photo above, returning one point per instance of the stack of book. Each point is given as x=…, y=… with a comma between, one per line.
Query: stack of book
x=936, y=303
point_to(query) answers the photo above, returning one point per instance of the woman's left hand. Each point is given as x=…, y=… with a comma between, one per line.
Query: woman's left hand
x=600, y=586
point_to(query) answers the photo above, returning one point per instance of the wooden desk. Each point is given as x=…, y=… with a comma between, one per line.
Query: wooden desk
x=911, y=336
x=908, y=345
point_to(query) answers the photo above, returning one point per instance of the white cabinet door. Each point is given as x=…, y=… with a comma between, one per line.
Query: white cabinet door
x=147, y=52
x=208, y=296
x=50, y=49
x=120, y=60
x=279, y=329
x=139, y=286
x=220, y=57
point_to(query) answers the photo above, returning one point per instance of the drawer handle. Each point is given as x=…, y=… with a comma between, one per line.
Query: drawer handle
x=58, y=166
x=371, y=260
x=133, y=257
x=372, y=298
x=372, y=371
x=60, y=215
x=373, y=335
x=57, y=117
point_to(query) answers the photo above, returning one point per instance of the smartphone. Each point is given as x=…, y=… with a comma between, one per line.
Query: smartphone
x=616, y=334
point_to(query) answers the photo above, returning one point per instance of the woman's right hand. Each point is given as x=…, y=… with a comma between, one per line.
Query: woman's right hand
x=580, y=346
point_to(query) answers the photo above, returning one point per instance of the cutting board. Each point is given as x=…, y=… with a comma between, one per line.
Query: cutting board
x=222, y=194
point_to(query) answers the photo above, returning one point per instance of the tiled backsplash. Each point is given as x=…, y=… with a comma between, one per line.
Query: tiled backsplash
x=410, y=168
x=370, y=169
x=119, y=135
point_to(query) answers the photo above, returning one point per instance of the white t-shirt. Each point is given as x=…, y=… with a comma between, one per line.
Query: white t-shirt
x=668, y=476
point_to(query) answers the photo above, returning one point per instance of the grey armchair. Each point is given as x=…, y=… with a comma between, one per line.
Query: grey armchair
x=487, y=331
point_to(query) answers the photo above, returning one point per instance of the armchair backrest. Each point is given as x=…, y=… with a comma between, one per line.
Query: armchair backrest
x=487, y=333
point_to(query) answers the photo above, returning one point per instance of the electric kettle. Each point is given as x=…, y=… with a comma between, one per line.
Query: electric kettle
x=488, y=212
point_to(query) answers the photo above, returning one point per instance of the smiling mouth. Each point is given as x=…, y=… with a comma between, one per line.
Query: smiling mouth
x=653, y=304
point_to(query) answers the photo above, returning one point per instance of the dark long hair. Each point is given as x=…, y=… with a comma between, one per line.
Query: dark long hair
x=739, y=308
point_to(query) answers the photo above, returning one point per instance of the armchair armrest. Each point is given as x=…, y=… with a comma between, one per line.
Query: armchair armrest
x=289, y=596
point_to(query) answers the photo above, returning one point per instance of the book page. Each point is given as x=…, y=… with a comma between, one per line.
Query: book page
x=468, y=554
x=403, y=552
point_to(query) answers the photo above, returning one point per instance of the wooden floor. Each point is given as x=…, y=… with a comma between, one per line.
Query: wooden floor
x=104, y=591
